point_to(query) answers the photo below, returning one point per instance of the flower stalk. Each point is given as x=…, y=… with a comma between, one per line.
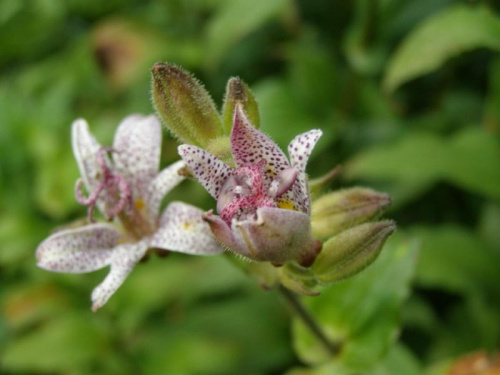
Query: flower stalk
x=301, y=312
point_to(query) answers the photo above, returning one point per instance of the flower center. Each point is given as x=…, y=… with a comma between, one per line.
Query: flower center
x=243, y=192
x=118, y=195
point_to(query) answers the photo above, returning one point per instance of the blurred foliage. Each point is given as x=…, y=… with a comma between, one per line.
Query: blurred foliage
x=407, y=93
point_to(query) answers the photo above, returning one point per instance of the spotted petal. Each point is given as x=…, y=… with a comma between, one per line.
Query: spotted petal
x=84, y=249
x=300, y=149
x=85, y=149
x=248, y=146
x=165, y=181
x=183, y=230
x=210, y=171
x=277, y=236
x=124, y=258
x=137, y=146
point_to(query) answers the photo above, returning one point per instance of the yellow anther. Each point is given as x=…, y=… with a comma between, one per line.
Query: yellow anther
x=139, y=204
x=287, y=205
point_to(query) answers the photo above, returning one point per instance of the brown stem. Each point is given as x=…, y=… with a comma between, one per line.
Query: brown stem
x=299, y=309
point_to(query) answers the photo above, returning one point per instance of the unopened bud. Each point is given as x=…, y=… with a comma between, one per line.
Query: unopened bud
x=238, y=92
x=184, y=105
x=221, y=148
x=343, y=209
x=351, y=251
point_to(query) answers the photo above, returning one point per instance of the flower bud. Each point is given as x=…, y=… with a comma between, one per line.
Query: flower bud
x=184, y=105
x=340, y=210
x=238, y=92
x=351, y=251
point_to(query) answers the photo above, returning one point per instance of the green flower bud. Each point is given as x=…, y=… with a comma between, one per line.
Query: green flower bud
x=238, y=92
x=343, y=209
x=221, y=148
x=351, y=251
x=184, y=105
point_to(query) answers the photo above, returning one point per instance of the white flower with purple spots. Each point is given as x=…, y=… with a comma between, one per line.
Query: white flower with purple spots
x=127, y=188
x=264, y=203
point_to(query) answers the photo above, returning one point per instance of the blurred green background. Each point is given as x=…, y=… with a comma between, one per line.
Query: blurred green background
x=407, y=93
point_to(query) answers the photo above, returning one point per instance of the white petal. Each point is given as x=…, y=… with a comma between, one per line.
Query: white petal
x=300, y=149
x=85, y=148
x=165, y=181
x=84, y=249
x=125, y=257
x=210, y=171
x=137, y=146
x=183, y=230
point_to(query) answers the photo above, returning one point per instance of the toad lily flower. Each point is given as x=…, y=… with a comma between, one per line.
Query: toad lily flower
x=126, y=187
x=264, y=203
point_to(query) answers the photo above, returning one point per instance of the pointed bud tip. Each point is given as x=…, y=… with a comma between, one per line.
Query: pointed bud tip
x=340, y=210
x=161, y=69
x=236, y=90
x=352, y=250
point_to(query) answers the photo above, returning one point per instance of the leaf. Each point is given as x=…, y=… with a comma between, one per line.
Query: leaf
x=361, y=313
x=283, y=116
x=447, y=34
x=399, y=360
x=455, y=259
x=470, y=160
x=236, y=19
x=313, y=75
x=226, y=335
x=59, y=346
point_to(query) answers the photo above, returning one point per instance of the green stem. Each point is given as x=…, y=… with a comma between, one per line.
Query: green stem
x=309, y=321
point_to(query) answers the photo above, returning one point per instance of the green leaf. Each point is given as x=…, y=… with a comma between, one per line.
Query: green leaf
x=399, y=360
x=456, y=259
x=229, y=335
x=283, y=116
x=313, y=75
x=447, y=34
x=59, y=346
x=235, y=20
x=470, y=160
x=361, y=314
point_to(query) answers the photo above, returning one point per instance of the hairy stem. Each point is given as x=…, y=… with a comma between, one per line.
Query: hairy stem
x=299, y=309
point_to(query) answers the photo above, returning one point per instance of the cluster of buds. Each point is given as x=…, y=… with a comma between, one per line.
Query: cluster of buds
x=265, y=213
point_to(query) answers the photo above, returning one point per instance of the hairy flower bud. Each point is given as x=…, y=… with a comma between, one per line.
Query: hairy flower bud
x=184, y=105
x=351, y=251
x=238, y=92
x=340, y=210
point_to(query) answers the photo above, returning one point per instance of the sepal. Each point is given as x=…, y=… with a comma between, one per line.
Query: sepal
x=340, y=210
x=351, y=251
x=237, y=92
x=184, y=105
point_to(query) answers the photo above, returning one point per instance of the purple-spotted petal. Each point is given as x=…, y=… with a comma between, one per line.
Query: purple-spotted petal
x=248, y=146
x=137, y=146
x=283, y=182
x=83, y=249
x=165, y=181
x=222, y=232
x=124, y=258
x=300, y=149
x=85, y=149
x=210, y=171
x=183, y=230
x=277, y=236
